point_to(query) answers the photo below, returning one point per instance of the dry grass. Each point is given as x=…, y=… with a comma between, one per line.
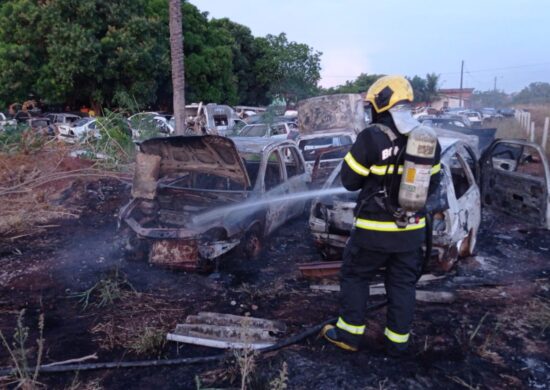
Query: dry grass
x=33, y=187
x=538, y=114
x=538, y=314
x=281, y=381
x=137, y=322
x=150, y=342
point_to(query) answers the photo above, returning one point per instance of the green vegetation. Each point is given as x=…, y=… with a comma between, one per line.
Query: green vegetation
x=538, y=93
x=104, y=53
x=108, y=290
x=425, y=89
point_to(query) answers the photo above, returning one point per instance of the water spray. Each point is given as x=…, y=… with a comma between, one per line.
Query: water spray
x=212, y=215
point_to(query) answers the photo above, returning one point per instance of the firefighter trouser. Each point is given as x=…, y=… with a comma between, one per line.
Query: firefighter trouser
x=359, y=267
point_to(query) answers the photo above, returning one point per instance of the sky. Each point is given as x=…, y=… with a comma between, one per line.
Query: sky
x=504, y=41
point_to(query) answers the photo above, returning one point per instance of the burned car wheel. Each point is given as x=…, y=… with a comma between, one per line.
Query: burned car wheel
x=252, y=243
x=136, y=248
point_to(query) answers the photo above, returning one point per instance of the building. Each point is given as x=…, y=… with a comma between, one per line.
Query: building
x=450, y=98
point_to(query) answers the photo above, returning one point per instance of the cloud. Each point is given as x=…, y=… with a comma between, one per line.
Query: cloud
x=342, y=64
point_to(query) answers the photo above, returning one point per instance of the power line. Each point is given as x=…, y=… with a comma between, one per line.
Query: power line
x=502, y=68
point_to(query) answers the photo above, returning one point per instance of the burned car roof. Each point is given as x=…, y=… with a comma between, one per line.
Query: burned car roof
x=207, y=153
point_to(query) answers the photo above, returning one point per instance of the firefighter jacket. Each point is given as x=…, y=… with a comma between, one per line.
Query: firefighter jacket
x=370, y=166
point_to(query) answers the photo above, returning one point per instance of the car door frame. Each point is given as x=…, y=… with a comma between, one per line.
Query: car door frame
x=275, y=214
x=513, y=199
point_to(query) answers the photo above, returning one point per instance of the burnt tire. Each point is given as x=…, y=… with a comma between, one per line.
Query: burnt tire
x=252, y=245
x=136, y=248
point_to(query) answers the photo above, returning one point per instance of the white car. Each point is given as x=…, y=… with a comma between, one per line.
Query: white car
x=4, y=121
x=512, y=176
x=473, y=116
x=143, y=123
x=83, y=128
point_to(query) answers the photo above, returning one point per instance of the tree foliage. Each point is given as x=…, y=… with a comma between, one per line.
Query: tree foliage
x=361, y=84
x=538, y=92
x=108, y=52
x=489, y=98
x=292, y=69
x=425, y=89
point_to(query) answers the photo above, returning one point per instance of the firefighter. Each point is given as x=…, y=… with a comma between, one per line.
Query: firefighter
x=384, y=235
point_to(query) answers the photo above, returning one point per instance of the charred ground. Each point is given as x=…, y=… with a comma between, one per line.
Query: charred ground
x=494, y=335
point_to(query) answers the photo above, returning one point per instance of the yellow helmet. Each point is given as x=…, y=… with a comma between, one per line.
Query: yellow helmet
x=388, y=91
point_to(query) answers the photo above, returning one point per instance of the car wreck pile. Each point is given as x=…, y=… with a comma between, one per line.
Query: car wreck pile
x=197, y=198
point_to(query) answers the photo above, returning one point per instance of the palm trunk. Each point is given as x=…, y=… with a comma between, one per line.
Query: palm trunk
x=178, y=79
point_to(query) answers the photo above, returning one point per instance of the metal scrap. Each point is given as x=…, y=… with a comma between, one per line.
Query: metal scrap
x=227, y=331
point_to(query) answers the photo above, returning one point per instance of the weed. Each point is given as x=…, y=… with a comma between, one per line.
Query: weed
x=20, y=139
x=246, y=361
x=105, y=292
x=114, y=148
x=26, y=378
x=198, y=385
x=281, y=381
x=150, y=342
x=461, y=382
x=77, y=385
x=538, y=316
x=474, y=333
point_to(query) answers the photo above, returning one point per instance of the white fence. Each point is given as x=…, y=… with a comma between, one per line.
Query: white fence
x=524, y=119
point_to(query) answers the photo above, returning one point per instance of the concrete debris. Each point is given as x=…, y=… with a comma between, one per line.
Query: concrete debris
x=226, y=331
x=421, y=295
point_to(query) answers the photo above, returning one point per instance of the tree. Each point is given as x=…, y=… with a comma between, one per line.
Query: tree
x=292, y=70
x=425, y=90
x=419, y=89
x=431, y=92
x=361, y=84
x=245, y=53
x=103, y=51
x=490, y=98
x=538, y=92
x=21, y=50
x=117, y=53
x=178, y=80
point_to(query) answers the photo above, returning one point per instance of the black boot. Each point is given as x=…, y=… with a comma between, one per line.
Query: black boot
x=395, y=350
x=341, y=338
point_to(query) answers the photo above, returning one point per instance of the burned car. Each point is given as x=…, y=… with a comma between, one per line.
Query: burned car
x=506, y=183
x=328, y=126
x=196, y=198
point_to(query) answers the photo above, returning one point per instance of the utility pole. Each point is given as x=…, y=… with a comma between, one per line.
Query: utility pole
x=461, y=78
x=495, y=87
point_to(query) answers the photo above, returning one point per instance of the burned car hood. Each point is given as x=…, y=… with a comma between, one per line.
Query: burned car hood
x=208, y=154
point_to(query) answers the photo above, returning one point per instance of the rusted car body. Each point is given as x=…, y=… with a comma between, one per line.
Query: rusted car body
x=506, y=186
x=209, y=118
x=516, y=180
x=195, y=198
